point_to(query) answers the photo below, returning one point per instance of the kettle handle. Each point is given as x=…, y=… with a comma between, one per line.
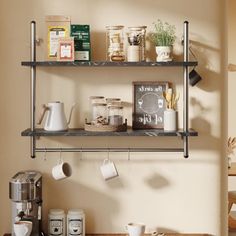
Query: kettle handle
x=43, y=111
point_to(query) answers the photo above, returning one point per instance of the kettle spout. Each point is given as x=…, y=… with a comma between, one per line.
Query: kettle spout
x=71, y=111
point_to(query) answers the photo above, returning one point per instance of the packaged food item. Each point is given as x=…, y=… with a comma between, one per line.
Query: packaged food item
x=81, y=34
x=65, y=49
x=57, y=27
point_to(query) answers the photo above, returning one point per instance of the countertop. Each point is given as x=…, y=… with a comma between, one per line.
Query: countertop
x=119, y=234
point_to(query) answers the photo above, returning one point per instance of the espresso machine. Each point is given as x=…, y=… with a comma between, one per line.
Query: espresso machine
x=25, y=192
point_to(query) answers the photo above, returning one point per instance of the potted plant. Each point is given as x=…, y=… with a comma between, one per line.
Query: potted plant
x=163, y=37
x=231, y=145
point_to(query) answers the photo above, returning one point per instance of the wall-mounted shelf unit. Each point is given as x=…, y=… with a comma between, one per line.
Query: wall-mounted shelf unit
x=33, y=132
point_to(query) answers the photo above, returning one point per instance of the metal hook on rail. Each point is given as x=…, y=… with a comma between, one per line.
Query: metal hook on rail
x=128, y=154
x=45, y=153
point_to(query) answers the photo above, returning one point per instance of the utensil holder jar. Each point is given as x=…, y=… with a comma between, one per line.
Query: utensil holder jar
x=170, y=120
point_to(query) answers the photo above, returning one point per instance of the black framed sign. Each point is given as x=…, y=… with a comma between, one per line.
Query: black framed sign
x=149, y=104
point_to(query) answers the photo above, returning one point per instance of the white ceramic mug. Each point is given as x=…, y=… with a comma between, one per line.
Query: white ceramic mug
x=22, y=228
x=61, y=171
x=135, y=229
x=108, y=170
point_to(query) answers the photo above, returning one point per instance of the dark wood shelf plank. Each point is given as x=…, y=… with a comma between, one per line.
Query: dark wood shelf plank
x=130, y=132
x=110, y=64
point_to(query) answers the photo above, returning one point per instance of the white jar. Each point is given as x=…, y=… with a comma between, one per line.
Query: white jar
x=56, y=222
x=75, y=222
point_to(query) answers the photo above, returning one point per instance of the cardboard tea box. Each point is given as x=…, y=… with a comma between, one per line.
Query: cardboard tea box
x=56, y=27
x=81, y=34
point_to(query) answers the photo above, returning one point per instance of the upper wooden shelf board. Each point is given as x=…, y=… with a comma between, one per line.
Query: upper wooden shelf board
x=109, y=64
x=130, y=132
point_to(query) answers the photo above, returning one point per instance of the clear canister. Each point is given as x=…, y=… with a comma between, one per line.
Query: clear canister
x=93, y=100
x=56, y=222
x=115, y=43
x=75, y=222
x=137, y=39
x=99, y=112
x=115, y=115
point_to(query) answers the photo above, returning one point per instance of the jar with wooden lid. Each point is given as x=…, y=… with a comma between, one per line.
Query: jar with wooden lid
x=137, y=43
x=115, y=115
x=99, y=113
x=115, y=43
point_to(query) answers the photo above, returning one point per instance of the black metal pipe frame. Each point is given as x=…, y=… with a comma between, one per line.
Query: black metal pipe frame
x=185, y=90
x=33, y=147
x=32, y=85
x=84, y=149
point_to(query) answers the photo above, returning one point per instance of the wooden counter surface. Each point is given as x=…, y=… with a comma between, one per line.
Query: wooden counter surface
x=232, y=169
x=117, y=234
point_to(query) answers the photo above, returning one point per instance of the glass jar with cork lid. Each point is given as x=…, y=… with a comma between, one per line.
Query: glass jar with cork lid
x=136, y=50
x=115, y=43
x=115, y=115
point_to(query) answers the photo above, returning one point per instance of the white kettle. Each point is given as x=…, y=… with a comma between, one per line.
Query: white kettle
x=56, y=118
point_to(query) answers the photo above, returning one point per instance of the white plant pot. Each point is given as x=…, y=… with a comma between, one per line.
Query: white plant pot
x=170, y=120
x=164, y=53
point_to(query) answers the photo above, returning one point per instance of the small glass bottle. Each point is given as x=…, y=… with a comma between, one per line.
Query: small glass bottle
x=115, y=43
x=75, y=222
x=56, y=222
x=115, y=115
x=99, y=113
x=137, y=43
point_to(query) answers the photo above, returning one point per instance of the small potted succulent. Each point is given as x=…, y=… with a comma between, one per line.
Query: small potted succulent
x=163, y=37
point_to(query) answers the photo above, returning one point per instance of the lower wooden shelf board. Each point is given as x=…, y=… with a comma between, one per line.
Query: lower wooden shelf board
x=129, y=132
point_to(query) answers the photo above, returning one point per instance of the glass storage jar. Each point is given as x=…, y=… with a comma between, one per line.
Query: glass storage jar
x=99, y=113
x=93, y=100
x=115, y=43
x=137, y=43
x=115, y=115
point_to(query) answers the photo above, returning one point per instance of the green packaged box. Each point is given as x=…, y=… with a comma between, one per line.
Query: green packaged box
x=81, y=34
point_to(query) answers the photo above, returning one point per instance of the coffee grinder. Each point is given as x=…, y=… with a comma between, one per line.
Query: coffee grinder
x=25, y=192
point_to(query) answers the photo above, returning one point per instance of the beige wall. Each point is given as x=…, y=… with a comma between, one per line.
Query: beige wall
x=165, y=191
x=231, y=81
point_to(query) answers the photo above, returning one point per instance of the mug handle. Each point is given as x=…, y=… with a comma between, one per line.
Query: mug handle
x=106, y=161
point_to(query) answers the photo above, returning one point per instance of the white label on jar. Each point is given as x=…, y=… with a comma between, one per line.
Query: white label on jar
x=82, y=55
x=56, y=227
x=75, y=227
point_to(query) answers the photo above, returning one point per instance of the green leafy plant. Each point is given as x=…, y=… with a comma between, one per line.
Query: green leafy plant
x=164, y=34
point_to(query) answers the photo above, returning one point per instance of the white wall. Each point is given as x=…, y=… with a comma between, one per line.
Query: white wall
x=165, y=191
